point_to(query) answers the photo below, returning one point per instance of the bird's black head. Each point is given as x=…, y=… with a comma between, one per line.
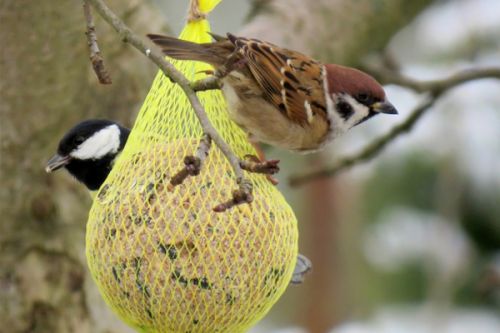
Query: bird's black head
x=88, y=150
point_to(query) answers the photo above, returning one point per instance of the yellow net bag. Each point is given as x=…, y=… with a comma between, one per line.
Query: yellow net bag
x=163, y=260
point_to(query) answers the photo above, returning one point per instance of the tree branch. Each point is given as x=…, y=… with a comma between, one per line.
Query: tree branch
x=176, y=76
x=435, y=88
x=95, y=54
x=192, y=164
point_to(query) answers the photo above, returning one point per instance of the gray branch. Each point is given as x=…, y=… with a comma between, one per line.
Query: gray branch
x=95, y=54
x=434, y=88
x=170, y=71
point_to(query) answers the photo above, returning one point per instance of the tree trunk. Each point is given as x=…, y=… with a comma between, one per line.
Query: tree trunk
x=338, y=31
x=46, y=86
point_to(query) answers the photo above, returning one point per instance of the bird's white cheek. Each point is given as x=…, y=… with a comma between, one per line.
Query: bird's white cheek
x=360, y=111
x=106, y=141
x=337, y=124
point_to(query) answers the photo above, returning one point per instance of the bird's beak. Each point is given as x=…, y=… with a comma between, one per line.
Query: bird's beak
x=384, y=107
x=56, y=162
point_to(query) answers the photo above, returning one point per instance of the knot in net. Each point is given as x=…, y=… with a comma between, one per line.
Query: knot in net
x=163, y=260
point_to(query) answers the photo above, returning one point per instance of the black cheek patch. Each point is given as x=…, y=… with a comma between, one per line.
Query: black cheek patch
x=345, y=110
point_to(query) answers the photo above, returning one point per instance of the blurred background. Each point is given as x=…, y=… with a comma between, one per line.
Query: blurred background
x=408, y=242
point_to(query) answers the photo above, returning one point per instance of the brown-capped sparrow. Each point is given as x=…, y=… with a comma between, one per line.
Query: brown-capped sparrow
x=282, y=97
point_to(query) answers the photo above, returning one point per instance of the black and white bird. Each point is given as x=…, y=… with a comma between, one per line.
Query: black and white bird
x=89, y=150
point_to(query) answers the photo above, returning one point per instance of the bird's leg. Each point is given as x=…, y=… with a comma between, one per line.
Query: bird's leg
x=208, y=72
x=259, y=164
x=214, y=81
x=232, y=63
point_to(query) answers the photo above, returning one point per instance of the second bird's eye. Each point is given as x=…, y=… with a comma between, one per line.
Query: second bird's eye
x=363, y=98
x=79, y=140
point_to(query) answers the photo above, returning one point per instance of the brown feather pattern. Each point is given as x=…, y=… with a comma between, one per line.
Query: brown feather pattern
x=286, y=83
x=278, y=95
x=289, y=80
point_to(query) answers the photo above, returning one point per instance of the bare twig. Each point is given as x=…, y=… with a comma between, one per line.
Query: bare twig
x=435, y=88
x=95, y=53
x=176, y=76
x=367, y=153
x=193, y=163
x=240, y=196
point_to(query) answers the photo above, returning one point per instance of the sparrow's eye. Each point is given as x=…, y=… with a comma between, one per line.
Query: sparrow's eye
x=363, y=98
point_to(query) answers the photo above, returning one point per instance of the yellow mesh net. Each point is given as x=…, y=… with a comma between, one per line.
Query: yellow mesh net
x=162, y=259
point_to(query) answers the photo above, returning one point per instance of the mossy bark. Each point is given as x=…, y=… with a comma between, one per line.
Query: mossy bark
x=46, y=86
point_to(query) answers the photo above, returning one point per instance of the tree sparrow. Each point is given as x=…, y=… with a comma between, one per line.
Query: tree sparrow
x=282, y=97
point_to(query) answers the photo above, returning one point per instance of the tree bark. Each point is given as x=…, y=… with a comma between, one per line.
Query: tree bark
x=47, y=85
x=338, y=31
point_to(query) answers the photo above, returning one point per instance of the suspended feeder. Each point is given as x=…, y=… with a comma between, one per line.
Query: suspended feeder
x=163, y=260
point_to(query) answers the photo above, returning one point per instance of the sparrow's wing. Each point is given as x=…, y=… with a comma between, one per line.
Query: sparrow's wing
x=292, y=82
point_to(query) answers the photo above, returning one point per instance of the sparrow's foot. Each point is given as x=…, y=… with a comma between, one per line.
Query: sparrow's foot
x=239, y=64
x=209, y=83
x=252, y=163
x=209, y=72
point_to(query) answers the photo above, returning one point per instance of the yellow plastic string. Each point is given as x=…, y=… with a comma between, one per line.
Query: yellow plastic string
x=162, y=259
x=206, y=6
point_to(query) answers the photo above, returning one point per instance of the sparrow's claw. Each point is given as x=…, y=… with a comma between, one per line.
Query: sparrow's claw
x=272, y=180
x=253, y=164
x=252, y=158
x=207, y=72
x=241, y=63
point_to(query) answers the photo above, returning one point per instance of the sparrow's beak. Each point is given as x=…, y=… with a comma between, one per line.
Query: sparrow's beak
x=56, y=162
x=384, y=107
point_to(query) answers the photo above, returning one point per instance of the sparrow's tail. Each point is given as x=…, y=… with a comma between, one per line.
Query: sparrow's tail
x=212, y=53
